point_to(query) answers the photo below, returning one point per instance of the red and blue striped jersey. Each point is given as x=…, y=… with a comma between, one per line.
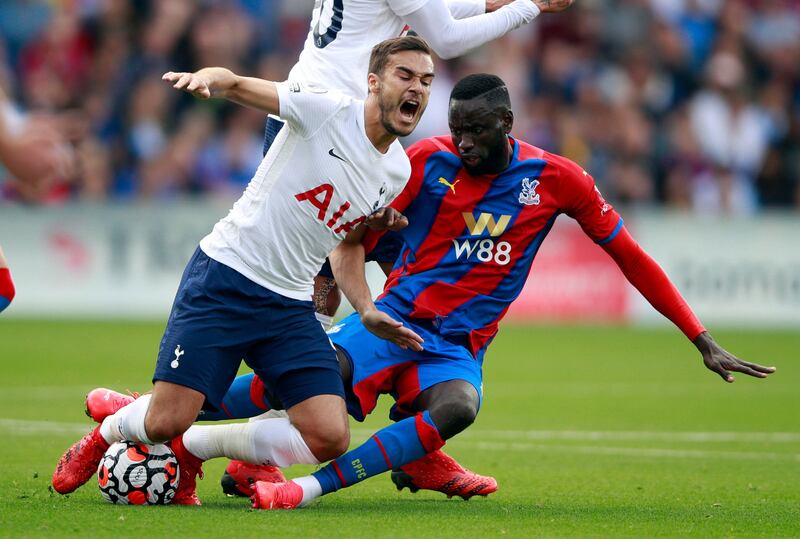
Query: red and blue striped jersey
x=471, y=240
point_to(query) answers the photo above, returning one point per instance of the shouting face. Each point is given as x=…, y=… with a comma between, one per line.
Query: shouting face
x=403, y=89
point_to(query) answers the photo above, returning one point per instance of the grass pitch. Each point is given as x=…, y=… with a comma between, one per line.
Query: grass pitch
x=589, y=431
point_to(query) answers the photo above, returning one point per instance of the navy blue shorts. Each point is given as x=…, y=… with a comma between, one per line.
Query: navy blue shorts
x=386, y=251
x=220, y=317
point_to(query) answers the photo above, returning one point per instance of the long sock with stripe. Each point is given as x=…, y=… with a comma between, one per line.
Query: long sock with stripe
x=391, y=447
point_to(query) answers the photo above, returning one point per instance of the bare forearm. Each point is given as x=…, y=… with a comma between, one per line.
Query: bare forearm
x=255, y=93
x=222, y=83
x=347, y=263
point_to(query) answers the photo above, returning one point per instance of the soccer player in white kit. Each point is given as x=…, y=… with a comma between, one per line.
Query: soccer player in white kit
x=246, y=291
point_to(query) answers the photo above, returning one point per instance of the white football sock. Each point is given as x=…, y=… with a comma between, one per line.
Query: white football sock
x=270, y=414
x=272, y=441
x=205, y=442
x=127, y=423
x=311, y=489
x=325, y=320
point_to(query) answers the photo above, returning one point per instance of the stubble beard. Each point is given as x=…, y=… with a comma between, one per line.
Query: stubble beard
x=386, y=111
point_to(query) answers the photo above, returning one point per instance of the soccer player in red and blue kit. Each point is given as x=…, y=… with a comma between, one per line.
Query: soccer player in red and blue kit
x=479, y=204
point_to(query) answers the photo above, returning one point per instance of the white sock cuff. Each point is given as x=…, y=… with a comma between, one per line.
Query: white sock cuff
x=129, y=421
x=311, y=488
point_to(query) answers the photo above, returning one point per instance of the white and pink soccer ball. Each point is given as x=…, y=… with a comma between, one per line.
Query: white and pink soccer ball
x=138, y=474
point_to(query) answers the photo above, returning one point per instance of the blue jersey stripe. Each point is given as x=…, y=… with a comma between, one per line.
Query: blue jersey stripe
x=4, y=302
x=422, y=212
x=500, y=199
x=613, y=233
x=449, y=269
x=484, y=309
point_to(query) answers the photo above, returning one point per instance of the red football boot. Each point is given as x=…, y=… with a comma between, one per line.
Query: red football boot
x=79, y=463
x=440, y=472
x=102, y=402
x=276, y=495
x=239, y=477
x=190, y=468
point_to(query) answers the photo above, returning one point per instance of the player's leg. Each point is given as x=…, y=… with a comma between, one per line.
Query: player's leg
x=300, y=371
x=244, y=398
x=453, y=405
x=375, y=362
x=6, y=284
x=206, y=335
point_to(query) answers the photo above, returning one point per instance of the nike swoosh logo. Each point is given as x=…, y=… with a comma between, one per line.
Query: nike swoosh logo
x=332, y=154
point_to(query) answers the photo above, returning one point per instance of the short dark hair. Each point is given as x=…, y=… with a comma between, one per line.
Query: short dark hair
x=484, y=85
x=381, y=52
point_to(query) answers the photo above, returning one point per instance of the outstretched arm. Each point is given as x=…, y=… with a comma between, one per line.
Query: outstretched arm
x=462, y=9
x=582, y=201
x=450, y=37
x=347, y=263
x=653, y=283
x=225, y=84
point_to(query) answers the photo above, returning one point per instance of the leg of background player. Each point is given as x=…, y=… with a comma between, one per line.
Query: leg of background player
x=245, y=398
x=6, y=284
x=455, y=405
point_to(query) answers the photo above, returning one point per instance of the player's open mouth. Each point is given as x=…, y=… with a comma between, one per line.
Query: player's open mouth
x=408, y=110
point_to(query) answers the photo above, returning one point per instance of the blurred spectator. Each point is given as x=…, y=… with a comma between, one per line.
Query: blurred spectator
x=694, y=104
x=34, y=153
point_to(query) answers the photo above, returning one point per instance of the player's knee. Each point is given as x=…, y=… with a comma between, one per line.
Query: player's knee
x=162, y=427
x=453, y=416
x=328, y=443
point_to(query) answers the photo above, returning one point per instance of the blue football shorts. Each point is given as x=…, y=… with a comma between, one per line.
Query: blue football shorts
x=382, y=367
x=220, y=318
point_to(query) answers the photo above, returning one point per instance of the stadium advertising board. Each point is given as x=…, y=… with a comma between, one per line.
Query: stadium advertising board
x=99, y=261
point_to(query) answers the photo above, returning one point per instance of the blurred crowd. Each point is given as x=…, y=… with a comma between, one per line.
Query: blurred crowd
x=690, y=104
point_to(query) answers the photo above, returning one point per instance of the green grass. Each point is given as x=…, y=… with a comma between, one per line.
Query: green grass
x=586, y=430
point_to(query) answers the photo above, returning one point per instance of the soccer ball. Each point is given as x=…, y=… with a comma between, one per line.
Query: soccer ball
x=138, y=474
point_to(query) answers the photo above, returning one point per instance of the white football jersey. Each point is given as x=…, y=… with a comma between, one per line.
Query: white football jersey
x=320, y=179
x=335, y=54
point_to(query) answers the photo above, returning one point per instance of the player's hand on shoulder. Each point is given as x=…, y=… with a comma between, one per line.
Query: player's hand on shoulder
x=387, y=219
x=387, y=328
x=553, y=6
x=722, y=362
x=189, y=82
